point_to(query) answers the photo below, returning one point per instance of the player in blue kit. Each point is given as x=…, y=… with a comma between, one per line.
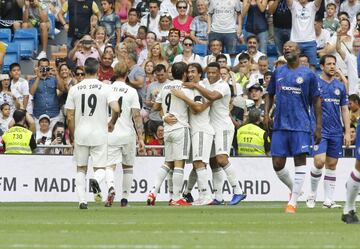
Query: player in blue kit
x=296, y=89
x=334, y=104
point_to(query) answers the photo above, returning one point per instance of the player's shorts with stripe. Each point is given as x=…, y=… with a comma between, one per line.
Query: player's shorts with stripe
x=177, y=144
x=332, y=146
x=98, y=155
x=290, y=143
x=201, y=146
x=222, y=142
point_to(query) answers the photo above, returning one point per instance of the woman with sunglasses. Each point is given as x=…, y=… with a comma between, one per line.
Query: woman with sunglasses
x=79, y=74
x=183, y=20
x=187, y=55
x=165, y=24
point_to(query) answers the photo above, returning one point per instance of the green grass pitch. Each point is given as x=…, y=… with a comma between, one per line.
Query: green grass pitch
x=250, y=225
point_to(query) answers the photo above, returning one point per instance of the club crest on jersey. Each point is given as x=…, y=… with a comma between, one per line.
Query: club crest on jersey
x=337, y=91
x=316, y=147
x=299, y=80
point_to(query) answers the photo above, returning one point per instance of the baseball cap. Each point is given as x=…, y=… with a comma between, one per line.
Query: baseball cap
x=44, y=116
x=18, y=115
x=256, y=86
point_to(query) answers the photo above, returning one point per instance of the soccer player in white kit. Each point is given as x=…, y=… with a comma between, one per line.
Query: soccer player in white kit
x=87, y=104
x=122, y=141
x=177, y=135
x=202, y=133
x=219, y=93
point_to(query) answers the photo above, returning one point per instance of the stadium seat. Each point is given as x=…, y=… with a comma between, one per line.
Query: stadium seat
x=5, y=35
x=271, y=50
x=28, y=41
x=12, y=55
x=200, y=49
x=52, y=26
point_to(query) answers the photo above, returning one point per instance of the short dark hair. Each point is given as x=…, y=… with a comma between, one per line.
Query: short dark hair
x=198, y=68
x=244, y=56
x=144, y=28
x=13, y=65
x=150, y=32
x=318, y=18
x=214, y=40
x=42, y=60
x=323, y=58
x=304, y=55
x=159, y=67
x=91, y=66
x=214, y=64
x=252, y=37
x=263, y=58
x=109, y=1
x=19, y=115
x=343, y=13
x=331, y=4
x=346, y=20
x=221, y=56
x=134, y=10
x=174, y=30
x=354, y=98
x=178, y=70
x=154, y=1
x=2, y=106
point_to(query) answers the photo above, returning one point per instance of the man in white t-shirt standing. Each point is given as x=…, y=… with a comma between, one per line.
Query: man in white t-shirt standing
x=220, y=95
x=19, y=86
x=177, y=135
x=302, y=30
x=122, y=141
x=87, y=108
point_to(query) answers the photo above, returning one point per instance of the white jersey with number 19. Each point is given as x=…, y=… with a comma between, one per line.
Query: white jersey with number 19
x=90, y=99
x=173, y=105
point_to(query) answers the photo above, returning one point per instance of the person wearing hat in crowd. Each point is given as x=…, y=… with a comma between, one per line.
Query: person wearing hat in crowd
x=252, y=140
x=43, y=134
x=255, y=92
x=19, y=139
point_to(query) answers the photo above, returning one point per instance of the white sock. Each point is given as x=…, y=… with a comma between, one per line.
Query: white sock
x=218, y=183
x=126, y=183
x=191, y=182
x=231, y=176
x=284, y=176
x=300, y=172
x=170, y=184
x=99, y=174
x=352, y=191
x=202, y=182
x=162, y=173
x=178, y=180
x=80, y=186
x=329, y=185
x=315, y=176
x=109, y=175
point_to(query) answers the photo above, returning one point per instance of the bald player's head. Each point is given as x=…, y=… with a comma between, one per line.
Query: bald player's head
x=291, y=51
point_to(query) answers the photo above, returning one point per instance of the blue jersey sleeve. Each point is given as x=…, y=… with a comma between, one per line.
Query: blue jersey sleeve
x=314, y=86
x=344, y=97
x=271, y=89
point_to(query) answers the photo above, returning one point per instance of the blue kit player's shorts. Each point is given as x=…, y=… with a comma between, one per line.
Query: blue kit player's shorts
x=357, y=143
x=290, y=143
x=331, y=146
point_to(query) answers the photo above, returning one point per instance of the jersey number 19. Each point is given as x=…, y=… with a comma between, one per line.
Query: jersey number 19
x=91, y=102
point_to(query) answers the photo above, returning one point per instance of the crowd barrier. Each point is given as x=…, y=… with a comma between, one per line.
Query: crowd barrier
x=33, y=178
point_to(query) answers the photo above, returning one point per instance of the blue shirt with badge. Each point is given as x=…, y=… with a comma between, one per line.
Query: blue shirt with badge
x=294, y=90
x=333, y=96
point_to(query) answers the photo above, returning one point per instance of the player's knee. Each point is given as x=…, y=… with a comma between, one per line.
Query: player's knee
x=82, y=169
x=222, y=160
x=319, y=163
x=198, y=164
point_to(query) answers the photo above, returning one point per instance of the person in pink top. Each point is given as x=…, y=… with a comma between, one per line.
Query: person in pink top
x=122, y=8
x=85, y=48
x=183, y=20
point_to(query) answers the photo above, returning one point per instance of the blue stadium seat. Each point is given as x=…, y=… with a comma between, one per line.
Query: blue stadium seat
x=52, y=26
x=5, y=35
x=271, y=50
x=28, y=41
x=200, y=49
x=12, y=55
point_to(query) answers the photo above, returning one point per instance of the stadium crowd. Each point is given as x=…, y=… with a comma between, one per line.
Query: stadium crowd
x=245, y=37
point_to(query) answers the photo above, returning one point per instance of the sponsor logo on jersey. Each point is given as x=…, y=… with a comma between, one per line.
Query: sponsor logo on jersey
x=294, y=90
x=299, y=80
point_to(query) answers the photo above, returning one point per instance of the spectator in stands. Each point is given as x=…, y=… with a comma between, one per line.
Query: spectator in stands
x=355, y=28
x=156, y=140
x=149, y=71
x=303, y=31
x=280, y=61
x=5, y=117
x=282, y=23
x=228, y=76
x=85, y=48
x=43, y=134
x=199, y=26
x=109, y=49
x=187, y=55
x=183, y=20
x=11, y=14
x=155, y=55
x=141, y=38
x=165, y=24
x=256, y=23
x=6, y=96
x=331, y=23
x=36, y=16
x=59, y=138
x=263, y=63
x=169, y=6
x=252, y=50
x=79, y=15
x=215, y=47
x=222, y=23
x=152, y=93
x=242, y=74
x=106, y=72
x=251, y=138
x=44, y=90
x=352, y=134
x=100, y=37
x=79, y=74
x=354, y=106
x=131, y=27
x=111, y=21
x=19, y=139
x=352, y=7
x=19, y=86
x=173, y=48
x=150, y=40
x=256, y=94
x=136, y=76
x=322, y=38
x=122, y=8
x=304, y=60
x=151, y=20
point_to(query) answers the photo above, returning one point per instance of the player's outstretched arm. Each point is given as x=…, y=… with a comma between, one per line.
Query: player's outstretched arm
x=210, y=95
x=346, y=120
x=156, y=106
x=318, y=116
